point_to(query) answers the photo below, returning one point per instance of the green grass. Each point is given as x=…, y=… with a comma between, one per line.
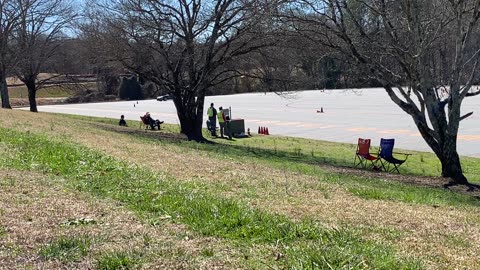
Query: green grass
x=50, y=92
x=316, y=152
x=289, y=151
x=167, y=128
x=367, y=188
x=151, y=196
x=283, y=153
x=3, y=231
x=66, y=248
x=208, y=252
x=410, y=194
x=323, y=256
x=118, y=260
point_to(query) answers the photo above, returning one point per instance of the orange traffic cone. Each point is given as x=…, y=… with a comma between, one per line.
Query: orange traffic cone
x=266, y=131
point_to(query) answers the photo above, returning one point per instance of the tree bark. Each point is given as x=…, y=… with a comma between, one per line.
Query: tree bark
x=445, y=148
x=191, y=127
x=32, y=92
x=4, y=92
x=190, y=114
x=451, y=166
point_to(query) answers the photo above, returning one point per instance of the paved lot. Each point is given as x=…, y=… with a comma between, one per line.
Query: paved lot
x=348, y=115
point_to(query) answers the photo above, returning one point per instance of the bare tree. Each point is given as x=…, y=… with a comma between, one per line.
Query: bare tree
x=184, y=46
x=37, y=38
x=9, y=15
x=424, y=53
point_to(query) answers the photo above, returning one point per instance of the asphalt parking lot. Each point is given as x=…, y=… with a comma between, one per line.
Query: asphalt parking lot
x=347, y=116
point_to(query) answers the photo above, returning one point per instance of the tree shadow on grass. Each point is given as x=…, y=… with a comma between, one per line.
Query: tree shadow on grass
x=236, y=150
x=144, y=133
x=330, y=164
x=473, y=188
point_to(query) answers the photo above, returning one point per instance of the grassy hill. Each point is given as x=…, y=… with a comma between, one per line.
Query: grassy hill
x=82, y=193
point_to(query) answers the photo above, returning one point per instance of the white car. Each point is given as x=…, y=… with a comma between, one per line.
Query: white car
x=164, y=97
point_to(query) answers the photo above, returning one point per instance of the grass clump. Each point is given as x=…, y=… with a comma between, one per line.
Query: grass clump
x=66, y=248
x=3, y=231
x=118, y=260
x=411, y=194
x=324, y=256
x=151, y=195
x=362, y=187
x=207, y=252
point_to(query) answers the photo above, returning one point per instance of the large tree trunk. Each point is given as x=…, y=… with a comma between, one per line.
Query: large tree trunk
x=32, y=92
x=190, y=114
x=451, y=166
x=4, y=92
x=445, y=148
x=191, y=126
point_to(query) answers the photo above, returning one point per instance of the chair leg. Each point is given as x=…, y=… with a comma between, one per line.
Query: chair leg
x=363, y=163
x=375, y=165
x=355, y=163
x=383, y=165
x=395, y=168
x=359, y=164
x=386, y=166
x=372, y=164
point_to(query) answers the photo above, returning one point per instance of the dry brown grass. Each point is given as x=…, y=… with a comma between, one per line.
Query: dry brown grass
x=34, y=209
x=23, y=102
x=444, y=237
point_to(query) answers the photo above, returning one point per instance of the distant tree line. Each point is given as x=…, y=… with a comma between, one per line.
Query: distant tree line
x=57, y=37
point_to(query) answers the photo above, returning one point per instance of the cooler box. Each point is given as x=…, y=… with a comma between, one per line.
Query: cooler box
x=237, y=126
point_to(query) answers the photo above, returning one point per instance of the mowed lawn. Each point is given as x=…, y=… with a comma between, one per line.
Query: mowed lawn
x=83, y=193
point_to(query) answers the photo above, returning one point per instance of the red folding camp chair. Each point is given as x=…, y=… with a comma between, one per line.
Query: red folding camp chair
x=363, y=155
x=144, y=123
x=385, y=155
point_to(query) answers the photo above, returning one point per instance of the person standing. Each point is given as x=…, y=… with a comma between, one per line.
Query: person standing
x=212, y=117
x=228, y=127
x=221, y=120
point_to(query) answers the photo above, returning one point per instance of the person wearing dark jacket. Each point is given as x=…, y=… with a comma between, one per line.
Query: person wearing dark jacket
x=122, y=121
x=151, y=122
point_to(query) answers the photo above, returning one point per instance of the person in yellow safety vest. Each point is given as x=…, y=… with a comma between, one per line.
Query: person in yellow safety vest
x=212, y=118
x=221, y=120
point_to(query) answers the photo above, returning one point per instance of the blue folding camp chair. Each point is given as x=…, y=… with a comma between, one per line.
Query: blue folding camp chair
x=385, y=155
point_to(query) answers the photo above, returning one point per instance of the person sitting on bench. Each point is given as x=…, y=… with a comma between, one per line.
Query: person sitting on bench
x=151, y=122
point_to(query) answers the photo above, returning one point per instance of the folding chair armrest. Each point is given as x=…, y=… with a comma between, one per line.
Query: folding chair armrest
x=405, y=154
